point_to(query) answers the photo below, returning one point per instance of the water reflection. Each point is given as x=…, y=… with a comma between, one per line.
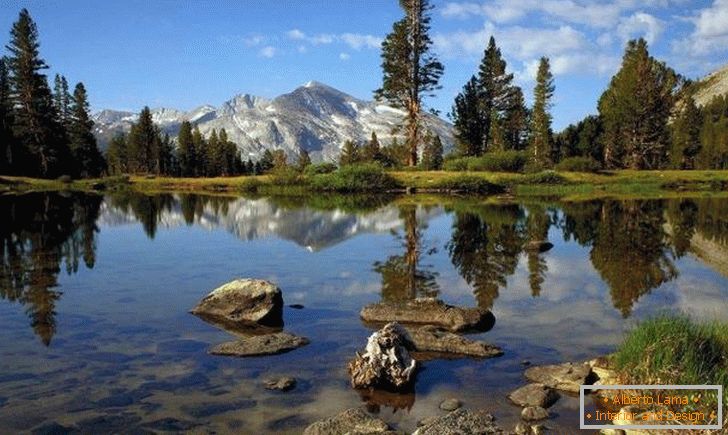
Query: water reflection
x=40, y=233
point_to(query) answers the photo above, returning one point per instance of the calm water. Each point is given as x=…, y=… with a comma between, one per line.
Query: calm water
x=95, y=291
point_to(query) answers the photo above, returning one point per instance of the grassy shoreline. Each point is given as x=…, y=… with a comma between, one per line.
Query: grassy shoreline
x=563, y=185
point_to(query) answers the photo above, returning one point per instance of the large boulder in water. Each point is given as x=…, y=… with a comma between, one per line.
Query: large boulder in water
x=432, y=341
x=428, y=311
x=243, y=302
x=257, y=345
x=386, y=361
x=461, y=421
x=566, y=377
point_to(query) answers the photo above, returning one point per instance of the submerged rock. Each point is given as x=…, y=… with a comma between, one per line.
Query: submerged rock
x=534, y=395
x=433, y=339
x=243, y=301
x=534, y=413
x=386, y=361
x=269, y=344
x=352, y=421
x=459, y=422
x=566, y=376
x=285, y=383
x=450, y=404
x=427, y=311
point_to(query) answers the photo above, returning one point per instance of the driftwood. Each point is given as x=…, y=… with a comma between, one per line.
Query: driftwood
x=386, y=361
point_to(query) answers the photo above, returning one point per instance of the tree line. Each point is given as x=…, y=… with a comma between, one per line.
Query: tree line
x=43, y=132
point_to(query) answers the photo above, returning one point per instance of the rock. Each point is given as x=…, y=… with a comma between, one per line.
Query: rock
x=285, y=383
x=459, y=422
x=296, y=306
x=538, y=246
x=256, y=345
x=352, y=421
x=538, y=429
x=603, y=371
x=427, y=420
x=534, y=395
x=243, y=301
x=566, y=377
x=450, y=404
x=386, y=361
x=533, y=413
x=522, y=429
x=428, y=311
x=434, y=339
x=525, y=363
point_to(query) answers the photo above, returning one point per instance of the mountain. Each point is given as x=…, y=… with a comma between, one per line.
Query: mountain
x=714, y=84
x=315, y=116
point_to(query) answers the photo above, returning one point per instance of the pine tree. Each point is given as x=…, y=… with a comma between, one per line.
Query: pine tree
x=266, y=162
x=635, y=110
x=280, y=159
x=350, y=153
x=515, y=121
x=468, y=120
x=371, y=151
x=432, y=154
x=117, y=155
x=62, y=101
x=540, y=139
x=85, y=151
x=35, y=121
x=496, y=90
x=410, y=69
x=496, y=137
x=7, y=140
x=186, y=150
x=304, y=160
x=686, y=135
x=199, y=151
x=143, y=145
x=214, y=155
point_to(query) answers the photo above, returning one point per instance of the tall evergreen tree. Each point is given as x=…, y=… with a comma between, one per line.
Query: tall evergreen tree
x=495, y=87
x=432, y=154
x=686, y=135
x=186, y=150
x=62, y=100
x=635, y=110
x=515, y=121
x=304, y=160
x=7, y=140
x=143, y=143
x=35, y=121
x=540, y=140
x=266, y=163
x=117, y=156
x=410, y=69
x=350, y=153
x=199, y=146
x=85, y=151
x=496, y=137
x=372, y=151
x=468, y=120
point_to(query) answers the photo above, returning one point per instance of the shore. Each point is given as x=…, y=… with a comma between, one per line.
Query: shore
x=562, y=185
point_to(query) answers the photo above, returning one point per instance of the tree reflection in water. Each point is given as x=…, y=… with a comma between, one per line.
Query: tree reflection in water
x=40, y=233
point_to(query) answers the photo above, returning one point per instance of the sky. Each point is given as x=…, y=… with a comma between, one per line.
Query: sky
x=184, y=53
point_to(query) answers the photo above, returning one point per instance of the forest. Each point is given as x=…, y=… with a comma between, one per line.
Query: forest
x=647, y=118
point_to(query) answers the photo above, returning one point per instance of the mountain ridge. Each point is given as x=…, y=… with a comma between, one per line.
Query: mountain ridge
x=315, y=116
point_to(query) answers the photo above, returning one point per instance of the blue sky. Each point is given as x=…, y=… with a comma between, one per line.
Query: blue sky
x=183, y=54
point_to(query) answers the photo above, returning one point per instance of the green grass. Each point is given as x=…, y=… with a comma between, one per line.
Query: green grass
x=575, y=186
x=673, y=349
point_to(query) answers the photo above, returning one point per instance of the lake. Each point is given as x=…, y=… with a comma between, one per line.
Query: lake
x=95, y=291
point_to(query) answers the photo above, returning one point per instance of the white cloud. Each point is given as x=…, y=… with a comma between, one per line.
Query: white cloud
x=268, y=51
x=344, y=56
x=355, y=41
x=252, y=41
x=710, y=33
x=640, y=24
x=461, y=10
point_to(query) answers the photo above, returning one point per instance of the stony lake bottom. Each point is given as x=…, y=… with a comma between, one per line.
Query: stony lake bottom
x=95, y=333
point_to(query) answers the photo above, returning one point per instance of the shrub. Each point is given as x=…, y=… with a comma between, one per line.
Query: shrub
x=287, y=176
x=544, y=177
x=469, y=184
x=674, y=350
x=497, y=161
x=319, y=168
x=579, y=164
x=457, y=164
x=355, y=178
